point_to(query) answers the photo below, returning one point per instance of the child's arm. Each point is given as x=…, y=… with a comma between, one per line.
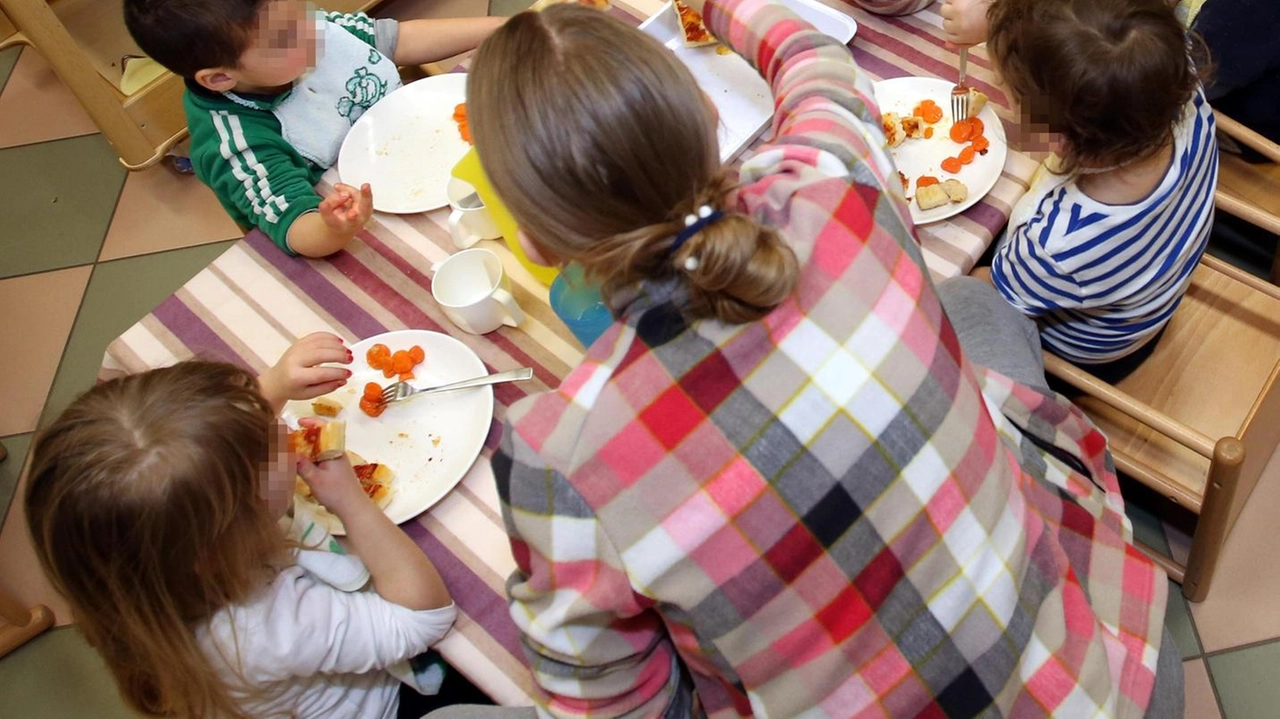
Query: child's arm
x=298, y=374
x=423, y=41
x=401, y=573
x=334, y=223
x=964, y=22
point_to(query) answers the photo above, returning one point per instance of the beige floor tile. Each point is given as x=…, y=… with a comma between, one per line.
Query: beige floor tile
x=1242, y=606
x=36, y=106
x=20, y=573
x=39, y=311
x=1201, y=703
x=162, y=210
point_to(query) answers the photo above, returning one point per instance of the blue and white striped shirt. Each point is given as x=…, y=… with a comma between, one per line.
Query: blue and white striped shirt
x=1100, y=279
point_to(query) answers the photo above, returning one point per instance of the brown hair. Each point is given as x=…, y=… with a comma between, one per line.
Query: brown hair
x=187, y=36
x=144, y=507
x=1112, y=76
x=600, y=142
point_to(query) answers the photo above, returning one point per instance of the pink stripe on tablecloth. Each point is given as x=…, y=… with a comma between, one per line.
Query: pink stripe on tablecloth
x=315, y=286
x=939, y=68
x=929, y=34
x=989, y=216
x=192, y=331
x=477, y=599
x=397, y=260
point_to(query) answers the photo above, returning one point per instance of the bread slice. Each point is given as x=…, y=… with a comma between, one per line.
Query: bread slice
x=326, y=407
x=319, y=443
x=892, y=125
x=913, y=127
x=931, y=196
x=955, y=190
x=977, y=101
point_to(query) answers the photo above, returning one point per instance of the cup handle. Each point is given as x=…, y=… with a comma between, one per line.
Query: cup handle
x=456, y=230
x=514, y=315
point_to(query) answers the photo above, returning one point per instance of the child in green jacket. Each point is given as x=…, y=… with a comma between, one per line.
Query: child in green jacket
x=272, y=90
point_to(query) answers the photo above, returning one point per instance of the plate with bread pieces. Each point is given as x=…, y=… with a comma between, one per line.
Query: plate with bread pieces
x=410, y=454
x=944, y=167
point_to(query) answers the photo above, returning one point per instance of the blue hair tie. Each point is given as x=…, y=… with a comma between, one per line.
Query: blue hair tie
x=693, y=224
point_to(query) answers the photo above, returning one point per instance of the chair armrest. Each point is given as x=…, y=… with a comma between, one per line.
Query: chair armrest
x=1126, y=404
x=1248, y=137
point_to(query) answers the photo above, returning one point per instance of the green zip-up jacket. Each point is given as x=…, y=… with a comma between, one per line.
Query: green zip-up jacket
x=239, y=148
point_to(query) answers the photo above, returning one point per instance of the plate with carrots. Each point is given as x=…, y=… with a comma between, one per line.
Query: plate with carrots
x=972, y=152
x=429, y=443
x=406, y=145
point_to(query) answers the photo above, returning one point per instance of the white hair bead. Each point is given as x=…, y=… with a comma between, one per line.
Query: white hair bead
x=690, y=263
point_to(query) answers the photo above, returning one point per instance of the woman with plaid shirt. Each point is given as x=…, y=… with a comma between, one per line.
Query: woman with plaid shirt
x=777, y=486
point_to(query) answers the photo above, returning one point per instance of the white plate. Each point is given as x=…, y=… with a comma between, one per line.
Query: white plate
x=740, y=95
x=428, y=442
x=406, y=145
x=924, y=157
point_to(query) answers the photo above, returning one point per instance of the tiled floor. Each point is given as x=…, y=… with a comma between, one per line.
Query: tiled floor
x=87, y=249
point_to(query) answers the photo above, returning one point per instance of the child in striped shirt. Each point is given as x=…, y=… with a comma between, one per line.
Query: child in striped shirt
x=1101, y=249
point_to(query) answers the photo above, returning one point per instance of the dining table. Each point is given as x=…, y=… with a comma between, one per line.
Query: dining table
x=253, y=301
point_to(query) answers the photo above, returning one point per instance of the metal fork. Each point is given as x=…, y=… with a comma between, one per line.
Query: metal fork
x=960, y=93
x=404, y=390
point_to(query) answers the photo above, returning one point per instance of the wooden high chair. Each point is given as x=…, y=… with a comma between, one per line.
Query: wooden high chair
x=1247, y=190
x=1200, y=418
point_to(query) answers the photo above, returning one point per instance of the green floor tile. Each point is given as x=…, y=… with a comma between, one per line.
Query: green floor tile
x=57, y=675
x=119, y=294
x=1246, y=680
x=1179, y=622
x=59, y=199
x=8, y=59
x=1146, y=525
x=507, y=8
x=17, y=446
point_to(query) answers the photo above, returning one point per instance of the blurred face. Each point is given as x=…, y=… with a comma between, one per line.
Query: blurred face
x=276, y=479
x=282, y=49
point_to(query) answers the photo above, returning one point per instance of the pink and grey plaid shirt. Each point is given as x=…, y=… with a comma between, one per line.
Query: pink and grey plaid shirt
x=829, y=512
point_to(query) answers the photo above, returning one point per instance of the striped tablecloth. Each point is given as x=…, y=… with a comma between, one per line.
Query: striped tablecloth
x=251, y=303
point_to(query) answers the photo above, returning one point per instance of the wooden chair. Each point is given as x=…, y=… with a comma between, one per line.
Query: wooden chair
x=1247, y=190
x=19, y=624
x=1200, y=418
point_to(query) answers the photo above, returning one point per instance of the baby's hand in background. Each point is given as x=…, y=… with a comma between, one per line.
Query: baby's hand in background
x=964, y=22
x=346, y=209
x=298, y=374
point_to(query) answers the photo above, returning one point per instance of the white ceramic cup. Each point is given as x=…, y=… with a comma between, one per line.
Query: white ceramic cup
x=470, y=220
x=474, y=293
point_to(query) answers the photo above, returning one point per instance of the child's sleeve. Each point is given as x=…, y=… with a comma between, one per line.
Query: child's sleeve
x=826, y=124
x=263, y=184
x=312, y=628
x=381, y=33
x=1030, y=277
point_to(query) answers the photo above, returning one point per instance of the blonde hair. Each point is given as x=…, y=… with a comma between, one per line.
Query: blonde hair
x=600, y=142
x=143, y=501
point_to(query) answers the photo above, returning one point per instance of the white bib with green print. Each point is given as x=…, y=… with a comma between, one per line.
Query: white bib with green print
x=349, y=77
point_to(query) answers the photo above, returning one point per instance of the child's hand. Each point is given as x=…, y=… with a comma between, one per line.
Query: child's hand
x=964, y=22
x=346, y=210
x=332, y=482
x=298, y=374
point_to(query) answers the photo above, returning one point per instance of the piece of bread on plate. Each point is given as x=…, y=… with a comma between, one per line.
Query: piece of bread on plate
x=324, y=441
x=977, y=101
x=892, y=125
x=696, y=33
x=931, y=196
x=326, y=407
x=913, y=127
x=956, y=190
